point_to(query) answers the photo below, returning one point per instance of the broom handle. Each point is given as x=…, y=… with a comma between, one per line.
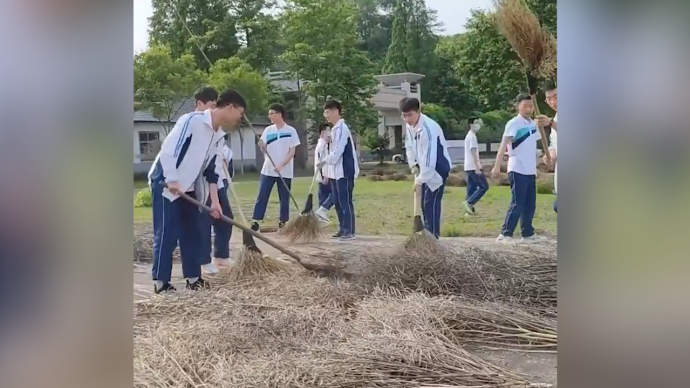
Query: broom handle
x=542, y=132
x=313, y=179
x=235, y=199
x=244, y=228
x=417, y=200
x=273, y=163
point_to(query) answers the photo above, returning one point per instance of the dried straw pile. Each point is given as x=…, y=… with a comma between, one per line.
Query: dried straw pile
x=485, y=272
x=143, y=242
x=298, y=331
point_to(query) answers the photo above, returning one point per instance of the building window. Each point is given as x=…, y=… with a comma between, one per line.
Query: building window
x=148, y=144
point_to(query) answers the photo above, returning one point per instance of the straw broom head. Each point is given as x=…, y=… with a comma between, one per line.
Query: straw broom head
x=533, y=43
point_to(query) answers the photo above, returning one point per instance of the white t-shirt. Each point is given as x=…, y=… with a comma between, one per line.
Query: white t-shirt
x=470, y=144
x=278, y=143
x=522, y=151
x=554, y=144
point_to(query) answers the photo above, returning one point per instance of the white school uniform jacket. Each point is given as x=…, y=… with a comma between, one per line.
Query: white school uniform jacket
x=554, y=145
x=342, y=156
x=430, y=152
x=320, y=153
x=189, y=155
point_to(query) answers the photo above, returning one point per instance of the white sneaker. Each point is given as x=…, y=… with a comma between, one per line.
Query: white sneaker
x=221, y=262
x=468, y=208
x=322, y=214
x=531, y=239
x=210, y=268
x=504, y=239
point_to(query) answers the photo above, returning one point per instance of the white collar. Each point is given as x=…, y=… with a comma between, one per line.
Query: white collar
x=420, y=123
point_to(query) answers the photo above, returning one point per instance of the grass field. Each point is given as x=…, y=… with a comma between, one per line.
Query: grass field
x=385, y=208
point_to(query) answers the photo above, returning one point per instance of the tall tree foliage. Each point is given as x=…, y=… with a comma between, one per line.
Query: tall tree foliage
x=329, y=64
x=211, y=27
x=413, y=41
x=162, y=83
x=258, y=31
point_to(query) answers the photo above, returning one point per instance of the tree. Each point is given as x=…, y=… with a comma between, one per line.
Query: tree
x=395, y=61
x=449, y=90
x=446, y=118
x=258, y=32
x=379, y=145
x=233, y=73
x=162, y=84
x=328, y=64
x=186, y=25
x=490, y=69
x=374, y=26
x=413, y=41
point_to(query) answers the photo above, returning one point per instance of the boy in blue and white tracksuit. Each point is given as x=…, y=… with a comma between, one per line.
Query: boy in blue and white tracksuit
x=223, y=231
x=342, y=158
x=186, y=161
x=427, y=153
x=323, y=174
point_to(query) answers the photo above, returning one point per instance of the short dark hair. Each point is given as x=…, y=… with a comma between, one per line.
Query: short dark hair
x=549, y=86
x=206, y=95
x=470, y=120
x=523, y=97
x=278, y=108
x=409, y=104
x=231, y=97
x=333, y=104
x=324, y=127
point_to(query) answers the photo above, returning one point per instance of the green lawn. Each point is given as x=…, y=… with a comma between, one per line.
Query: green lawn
x=385, y=208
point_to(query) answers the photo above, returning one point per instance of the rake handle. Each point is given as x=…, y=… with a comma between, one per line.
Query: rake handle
x=273, y=163
x=244, y=228
x=235, y=199
x=417, y=200
x=542, y=132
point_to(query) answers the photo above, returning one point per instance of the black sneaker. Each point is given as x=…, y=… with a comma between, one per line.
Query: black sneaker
x=166, y=287
x=281, y=225
x=255, y=226
x=198, y=285
x=338, y=235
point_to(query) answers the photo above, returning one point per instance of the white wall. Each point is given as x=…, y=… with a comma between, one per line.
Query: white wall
x=249, y=141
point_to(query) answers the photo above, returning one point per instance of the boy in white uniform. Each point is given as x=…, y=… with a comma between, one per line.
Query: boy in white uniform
x=477, y=184
x=428, y=149
x=520, y=138
x=342, y=158
x=187, y=164
x=323, y=174
x=552, y=100
x=279, y=141
x=222, y=232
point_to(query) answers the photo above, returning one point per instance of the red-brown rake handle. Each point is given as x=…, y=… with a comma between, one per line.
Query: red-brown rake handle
x=244, y=228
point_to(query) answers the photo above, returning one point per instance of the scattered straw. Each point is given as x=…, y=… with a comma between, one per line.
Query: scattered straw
x=251, y=263
x=533, y=43
x=298, y=331
x=304, y=228
x=143, y=242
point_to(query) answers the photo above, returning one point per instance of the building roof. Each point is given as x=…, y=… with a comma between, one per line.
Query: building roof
x=186, y=107
x=399, y=78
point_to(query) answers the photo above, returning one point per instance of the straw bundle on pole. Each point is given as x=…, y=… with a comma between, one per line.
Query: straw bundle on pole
x=533, y=43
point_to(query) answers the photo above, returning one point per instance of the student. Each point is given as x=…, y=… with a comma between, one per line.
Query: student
x=477, y=184
x=222, y=231
x=278, y=141
x=187, y=164
x=342, y=159
x=205, y=98
x=433, y=161
x=544, y=121
x=322, y=174
x=520, y=138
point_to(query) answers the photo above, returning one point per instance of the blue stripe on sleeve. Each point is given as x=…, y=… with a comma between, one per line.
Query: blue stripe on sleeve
x=180, y=141
x=428, y=151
